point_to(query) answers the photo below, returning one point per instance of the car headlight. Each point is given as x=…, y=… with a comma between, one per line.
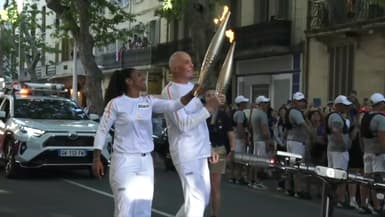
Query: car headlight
x=31, y=131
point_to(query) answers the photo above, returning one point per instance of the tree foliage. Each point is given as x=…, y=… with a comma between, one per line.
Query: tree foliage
x=105, y=17
x=92, y=23
x=172, y=9
x=25, y=28
x=176, y=9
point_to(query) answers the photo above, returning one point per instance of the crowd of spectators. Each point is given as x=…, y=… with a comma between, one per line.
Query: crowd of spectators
x=136, y=42
x=325, y=136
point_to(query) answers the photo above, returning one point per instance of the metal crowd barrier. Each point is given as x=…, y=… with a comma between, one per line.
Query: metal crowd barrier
x=331, y=178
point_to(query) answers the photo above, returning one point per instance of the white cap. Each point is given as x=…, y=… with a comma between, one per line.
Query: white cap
x=240, y=99
x=261, y=99
x=341, y=99
x=298, y=96
x=377, y=98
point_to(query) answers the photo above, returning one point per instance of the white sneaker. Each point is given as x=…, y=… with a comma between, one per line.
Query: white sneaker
x=353, y=204
x=259, y=186
x=340, y=205
x=372, y=210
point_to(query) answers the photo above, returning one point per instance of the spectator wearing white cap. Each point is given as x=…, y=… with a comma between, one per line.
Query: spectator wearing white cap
x=373, y=137
x=339, y=142
x=298, y=134
x=241, y=137
x=261, y=137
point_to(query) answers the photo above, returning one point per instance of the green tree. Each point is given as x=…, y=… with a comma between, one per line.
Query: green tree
x=25, y=30
x=6, y=51
x=92, y=23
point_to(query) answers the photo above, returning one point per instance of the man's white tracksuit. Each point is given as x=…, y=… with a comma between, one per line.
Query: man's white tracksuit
x=189, y=148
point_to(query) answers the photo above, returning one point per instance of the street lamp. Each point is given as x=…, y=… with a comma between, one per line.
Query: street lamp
x=20, y=7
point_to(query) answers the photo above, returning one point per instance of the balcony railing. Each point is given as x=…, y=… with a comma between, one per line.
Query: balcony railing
x=162, y=52
x=125, y=59
x=251, y=37
x=333, y=14
x=45, y=71
x=157, y=55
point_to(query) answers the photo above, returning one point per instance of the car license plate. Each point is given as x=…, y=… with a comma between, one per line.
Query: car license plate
x=72, y=153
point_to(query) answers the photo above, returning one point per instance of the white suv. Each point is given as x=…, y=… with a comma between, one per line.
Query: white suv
x=46, y=131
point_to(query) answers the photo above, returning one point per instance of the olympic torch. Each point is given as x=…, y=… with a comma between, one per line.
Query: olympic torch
x=225, y=73
x=214, y=45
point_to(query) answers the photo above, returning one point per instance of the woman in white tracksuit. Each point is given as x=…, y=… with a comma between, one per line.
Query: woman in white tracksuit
x=131, y=171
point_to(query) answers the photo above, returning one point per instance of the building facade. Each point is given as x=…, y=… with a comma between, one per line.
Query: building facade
x=346, y=48
x=269, y=54
x=268, y=57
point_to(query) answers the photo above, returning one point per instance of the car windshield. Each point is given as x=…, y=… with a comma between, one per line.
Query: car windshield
x=48, y=109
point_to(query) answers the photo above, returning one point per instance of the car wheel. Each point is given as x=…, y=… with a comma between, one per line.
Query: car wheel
x=11, y=167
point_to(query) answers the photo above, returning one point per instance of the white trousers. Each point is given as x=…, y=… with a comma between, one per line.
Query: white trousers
x=132, y=184
x=195, y=178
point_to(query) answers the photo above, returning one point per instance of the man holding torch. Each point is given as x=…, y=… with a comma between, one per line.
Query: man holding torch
x=189, y=137
x=188, y=133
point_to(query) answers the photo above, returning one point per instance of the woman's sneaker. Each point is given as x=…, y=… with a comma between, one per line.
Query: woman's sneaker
x=353, y=204
x=372, y=210
x=259, y=186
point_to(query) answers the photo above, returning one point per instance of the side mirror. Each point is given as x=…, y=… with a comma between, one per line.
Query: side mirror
x=2, y=114
x=94, y=117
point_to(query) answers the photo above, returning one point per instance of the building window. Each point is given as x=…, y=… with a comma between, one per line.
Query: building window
x=260, y=90
x=66, y=49
x=56, y=53
x=122, y=3
x=154, y=32
x=283, y=9
x=341, y=64
x=261, y=11
x=236, y=10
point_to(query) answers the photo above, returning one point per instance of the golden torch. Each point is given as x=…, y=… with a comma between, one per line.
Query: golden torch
x=225, y=73
x=214, y=45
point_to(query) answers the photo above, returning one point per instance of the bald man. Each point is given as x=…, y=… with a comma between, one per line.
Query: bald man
x=188, y=137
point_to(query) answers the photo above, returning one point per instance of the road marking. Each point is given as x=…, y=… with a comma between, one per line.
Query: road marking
x=109, y=195
x=4, y=191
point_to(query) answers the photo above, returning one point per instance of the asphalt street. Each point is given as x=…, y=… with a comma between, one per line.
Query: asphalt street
x=60, y=193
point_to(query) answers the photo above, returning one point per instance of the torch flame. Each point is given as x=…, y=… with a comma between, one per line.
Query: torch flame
x=223, y=16
x=230, y=34
x=225, y=11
